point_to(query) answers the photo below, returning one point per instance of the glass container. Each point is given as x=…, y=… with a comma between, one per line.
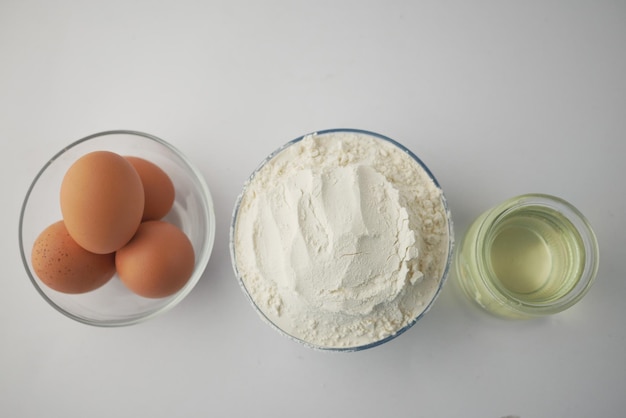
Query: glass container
x=530, y=256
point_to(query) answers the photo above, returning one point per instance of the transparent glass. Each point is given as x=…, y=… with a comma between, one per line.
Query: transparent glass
x=113, y=304
x=531, y=256
x=429, y=303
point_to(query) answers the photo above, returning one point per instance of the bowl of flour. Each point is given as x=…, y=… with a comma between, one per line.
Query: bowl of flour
x=341, y=239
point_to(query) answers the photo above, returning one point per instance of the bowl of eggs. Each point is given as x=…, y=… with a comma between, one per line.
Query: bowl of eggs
x=116, y=228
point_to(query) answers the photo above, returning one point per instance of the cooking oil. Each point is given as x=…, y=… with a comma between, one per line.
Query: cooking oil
x=531, y=256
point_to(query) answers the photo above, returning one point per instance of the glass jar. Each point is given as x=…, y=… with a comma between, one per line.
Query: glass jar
x=532, y=255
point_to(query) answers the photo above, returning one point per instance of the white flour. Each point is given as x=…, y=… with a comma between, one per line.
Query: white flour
x=341, y=239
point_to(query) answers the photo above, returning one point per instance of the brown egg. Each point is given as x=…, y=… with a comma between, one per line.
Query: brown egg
x=157, y=187
x=65, y=266
x=157, y=262
x=102, y=201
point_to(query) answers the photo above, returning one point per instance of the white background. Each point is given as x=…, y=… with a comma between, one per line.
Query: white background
x=498, y=98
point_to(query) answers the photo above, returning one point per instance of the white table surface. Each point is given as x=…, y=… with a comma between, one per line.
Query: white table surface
x=498, y=98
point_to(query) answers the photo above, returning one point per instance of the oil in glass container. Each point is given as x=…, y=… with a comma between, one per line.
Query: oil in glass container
x=533, y=255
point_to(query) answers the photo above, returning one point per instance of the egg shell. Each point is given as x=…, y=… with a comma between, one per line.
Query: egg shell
x=158, y=188
x=65, y=266
x=157, y=262
x=102, y=201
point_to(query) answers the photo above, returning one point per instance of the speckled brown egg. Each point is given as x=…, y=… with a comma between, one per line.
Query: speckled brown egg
x=157, y=262
x=65, y=266
x=102, y=201
x=157, y=187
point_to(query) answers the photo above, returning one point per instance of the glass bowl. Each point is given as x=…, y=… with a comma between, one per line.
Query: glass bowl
x=530, y=256
x=428, y=289
x=113, y=304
